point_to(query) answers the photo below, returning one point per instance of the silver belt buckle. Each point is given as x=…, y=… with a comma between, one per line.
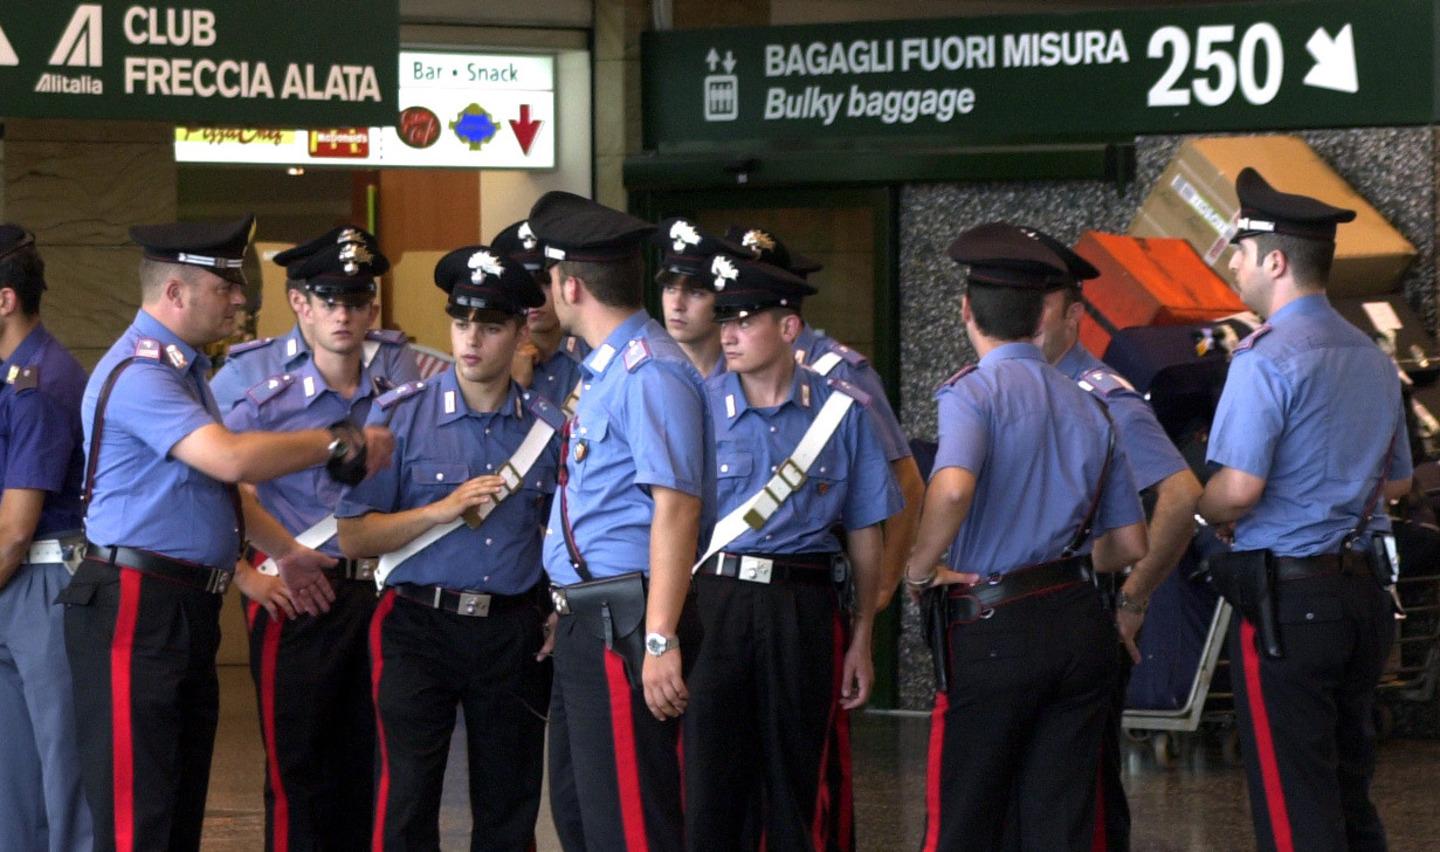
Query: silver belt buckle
x=559, y=600
x=219, y=582
x=754, y=569
x=365, y=568
x=474, y=603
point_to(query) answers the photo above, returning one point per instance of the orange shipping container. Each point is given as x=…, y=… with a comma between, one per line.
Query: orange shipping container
x=1148, y=281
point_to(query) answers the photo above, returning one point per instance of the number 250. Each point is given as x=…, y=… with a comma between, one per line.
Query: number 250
x=1211, y=56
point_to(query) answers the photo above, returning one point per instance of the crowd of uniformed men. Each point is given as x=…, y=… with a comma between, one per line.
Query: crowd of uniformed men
x=664, y=542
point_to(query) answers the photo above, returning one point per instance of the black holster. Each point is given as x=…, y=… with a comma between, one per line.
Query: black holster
x=1246, y=579
x=613, y=610
x=935, y=625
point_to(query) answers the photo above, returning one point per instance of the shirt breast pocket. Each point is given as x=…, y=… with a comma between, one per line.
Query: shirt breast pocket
x=438, y=478
x=829, y=471
x=589, y=441
x=734, y=469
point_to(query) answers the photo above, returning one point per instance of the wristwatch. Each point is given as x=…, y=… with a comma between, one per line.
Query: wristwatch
x=657, y=644
x=1129, y=604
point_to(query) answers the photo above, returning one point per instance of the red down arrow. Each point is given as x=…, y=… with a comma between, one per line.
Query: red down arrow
x=525, y=129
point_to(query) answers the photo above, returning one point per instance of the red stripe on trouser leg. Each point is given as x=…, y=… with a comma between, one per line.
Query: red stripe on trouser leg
x=819, y=823
x=680, y=756
x=252, y=611
x=377, y=665
x=122, y=743
x=933, y=769
x=269, y=654
x=627, y=769
x=1099, y=842
x=1265, y=743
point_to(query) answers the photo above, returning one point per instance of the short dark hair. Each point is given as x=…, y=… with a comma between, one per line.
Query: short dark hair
x=24, y=272
x=1310, y=260
x=1006, y=313
x=616, y=283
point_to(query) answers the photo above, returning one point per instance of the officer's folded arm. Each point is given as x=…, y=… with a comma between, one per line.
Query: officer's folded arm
x=947, y=504
x=1229, y=496
x=251, y=456
x=19, y=515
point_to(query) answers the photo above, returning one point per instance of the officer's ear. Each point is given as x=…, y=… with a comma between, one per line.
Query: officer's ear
x=790, y=327
x=1275, y=263
x=297, y=298
x=9, y=301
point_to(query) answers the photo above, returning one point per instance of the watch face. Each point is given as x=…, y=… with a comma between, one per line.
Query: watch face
x=656, y=645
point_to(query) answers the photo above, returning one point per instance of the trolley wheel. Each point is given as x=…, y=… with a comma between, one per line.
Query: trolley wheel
x=1165, y=749
x=1230, y=747
x=1384, y=721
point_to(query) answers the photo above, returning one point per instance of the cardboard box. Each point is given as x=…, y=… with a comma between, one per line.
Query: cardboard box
x=1194, y=200
x=1148, y=281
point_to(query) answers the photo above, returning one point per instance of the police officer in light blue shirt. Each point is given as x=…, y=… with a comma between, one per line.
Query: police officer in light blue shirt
x=1310, y=443
x=1158, y=468
x=548, y=363
x=1030, y=496
x=165, y=524
x=460, y=618
x=687, y=292
x=312, y=673
x=764, y=701
x=42, y=805
x=254, y=361
x=635, y=491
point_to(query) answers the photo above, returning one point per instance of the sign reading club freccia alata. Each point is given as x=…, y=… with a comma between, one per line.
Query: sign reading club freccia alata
x=1054, y=77
x=259, y=61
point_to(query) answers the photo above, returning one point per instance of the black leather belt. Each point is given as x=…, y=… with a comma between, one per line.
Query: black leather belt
x=192, y=574
x=474, y=604
x=1323, y=565
x=971, y=603
x=772, y=568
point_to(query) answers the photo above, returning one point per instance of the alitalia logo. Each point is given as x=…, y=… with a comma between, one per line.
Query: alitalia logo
x=59, y=84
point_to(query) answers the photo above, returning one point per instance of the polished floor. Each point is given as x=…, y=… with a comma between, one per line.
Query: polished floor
x=1199, y=804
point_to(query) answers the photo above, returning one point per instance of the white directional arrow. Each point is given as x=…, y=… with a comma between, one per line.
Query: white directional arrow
x=1334, y=61
x=712, y=59
x=7, y=53
x=729, y=62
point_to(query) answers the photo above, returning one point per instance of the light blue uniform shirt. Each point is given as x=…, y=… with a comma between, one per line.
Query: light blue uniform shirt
x=1036, y=444
x=439, y=444
x=811, y=345
x=40, y=434
x=1312, y=406
x=558, y=374
x=640, y=422
x=248, y=364
x=292, y=402
x=1152, y=456
x=143, y=497
x=850, y=482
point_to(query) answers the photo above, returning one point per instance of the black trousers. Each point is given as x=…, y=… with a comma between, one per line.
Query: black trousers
x=426, y=662
x=615, y=779
x=1112, y=808
x=142, y=657
x=764, y=702
x=1306, y=729
x=1022, y=720
x=312, y=689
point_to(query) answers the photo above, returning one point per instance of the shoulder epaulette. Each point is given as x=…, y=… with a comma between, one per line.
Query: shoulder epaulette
x=1103, y=383
x=1255, y=335
x=387, y=335
x=637, y=352
x=148, y=348
x=544, y=409
x=849, y=390
x=248, y=346
x=959, y=374
x=267, y=390
x=405, y=391
x=853, y=358
x=22, y=378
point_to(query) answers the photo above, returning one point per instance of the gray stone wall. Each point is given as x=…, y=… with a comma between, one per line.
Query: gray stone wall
x=1394, y=168
x=79, y=186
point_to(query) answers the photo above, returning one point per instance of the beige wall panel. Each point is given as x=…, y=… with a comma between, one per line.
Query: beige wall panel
x=85, y=192
x=93, y=295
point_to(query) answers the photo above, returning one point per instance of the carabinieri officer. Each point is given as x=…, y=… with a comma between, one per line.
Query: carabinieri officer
x=1157, y=467
x=637, y=483
x=460, y=619
x=548, y=362
x=312, y=674
x=1026, y=470
x=249, y=363
x=785, y=649
x=42, y=805
x=165, y=525
x=687, y=291
x=1310, y=438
